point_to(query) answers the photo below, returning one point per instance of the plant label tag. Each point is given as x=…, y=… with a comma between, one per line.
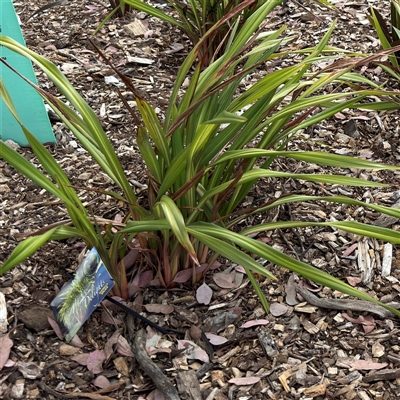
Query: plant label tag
x=80, y=296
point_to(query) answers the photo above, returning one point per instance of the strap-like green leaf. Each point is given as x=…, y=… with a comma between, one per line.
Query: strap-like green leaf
x=177, y=225
x=315, y=157
x=32, y=244
x=228, y=250
x=276, y=257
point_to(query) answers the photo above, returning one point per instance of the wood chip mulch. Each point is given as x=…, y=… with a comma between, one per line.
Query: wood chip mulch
x=315, y=344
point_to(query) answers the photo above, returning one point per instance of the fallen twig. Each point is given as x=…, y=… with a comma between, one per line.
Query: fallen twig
x=152, y=370
x=346, y=304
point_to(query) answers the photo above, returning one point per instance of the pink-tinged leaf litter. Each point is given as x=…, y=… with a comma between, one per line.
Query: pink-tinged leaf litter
x=290, y=290
x=159, y=308
x=367, y=365
x=215, y=265
x=5, y=347
x=9, y=363
x=111, y=342
x=240, y=269
x=251, y=380
x=56, y=328
x=367, y=322
x=101, y=382
x=183, y=276
x=123, y=347
x=278, y=309
x=77, y=342
x=112, y=306
x=225, y=281
x=193, y=352
x=129, y=259
x=81, y=359
x=255, y=322
x=204, y=294
x=145, y=278
x=349, y=250
x=186, y=274
x=95, y=361
x=353, y=280
x=216, y=339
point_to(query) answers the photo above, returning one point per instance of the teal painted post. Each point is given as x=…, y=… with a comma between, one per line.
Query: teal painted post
x=28, y=103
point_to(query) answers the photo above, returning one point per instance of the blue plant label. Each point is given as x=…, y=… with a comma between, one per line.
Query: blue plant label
x=79, y=297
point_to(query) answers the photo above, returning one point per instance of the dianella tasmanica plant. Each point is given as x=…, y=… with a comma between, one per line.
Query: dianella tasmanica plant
x=211, y=148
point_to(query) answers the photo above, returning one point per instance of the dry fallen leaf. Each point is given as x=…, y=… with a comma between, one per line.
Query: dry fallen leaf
x=367, y=365
x=29, y=370
x=123, y=347
x=56, y=328
x=367, y=322
x=80, y=358
x=353, y=280
x=225, y=281
x=67, y=350
x=159, y=308
x=95, y=361
x=255, y=322
x=101, y=382
x=216, y=339
x=193, y=352
x=278, y=309
x=204, y=294
x=5, y=346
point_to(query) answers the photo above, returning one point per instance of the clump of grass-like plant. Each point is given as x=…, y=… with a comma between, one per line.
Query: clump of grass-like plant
x=213, y=146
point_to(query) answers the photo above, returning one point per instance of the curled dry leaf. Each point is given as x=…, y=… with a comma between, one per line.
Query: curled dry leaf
x=123, y=347
x=349, y=250
x=240, y=269
x=77, y=342
x=255, y=322
x=290, y=290
x=353, y=280
x=29, y=370
x=56, y=328
x=367, y=322
x=121, y=366
x=204, y=294
x=111, y=342
x=378, y=350
x=216, y=339
x=193, y=352
x=3, y=313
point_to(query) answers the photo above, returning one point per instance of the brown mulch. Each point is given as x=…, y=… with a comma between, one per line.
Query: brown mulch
x=302, y=349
